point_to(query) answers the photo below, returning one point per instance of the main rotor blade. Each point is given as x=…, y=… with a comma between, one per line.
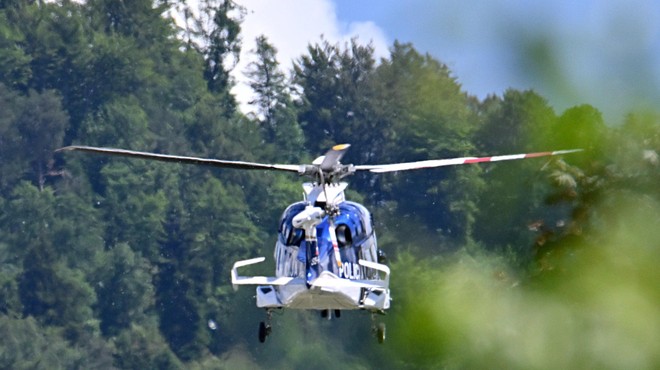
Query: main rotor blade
x=333, y=156
x=183, y=159
x=381, y=168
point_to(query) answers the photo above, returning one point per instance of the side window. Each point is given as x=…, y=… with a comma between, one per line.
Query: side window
x=344, y=237
x=288, y=234
x=295, y=236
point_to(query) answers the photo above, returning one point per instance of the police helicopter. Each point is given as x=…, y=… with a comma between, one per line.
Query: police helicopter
x=326, y=255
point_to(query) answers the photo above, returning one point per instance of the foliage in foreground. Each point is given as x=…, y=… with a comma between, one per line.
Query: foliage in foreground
x=122, y=263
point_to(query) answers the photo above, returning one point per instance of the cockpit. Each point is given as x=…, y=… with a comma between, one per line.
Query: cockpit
x=354, y=234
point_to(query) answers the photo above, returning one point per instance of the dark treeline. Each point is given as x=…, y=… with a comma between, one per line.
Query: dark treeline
x=118, y=263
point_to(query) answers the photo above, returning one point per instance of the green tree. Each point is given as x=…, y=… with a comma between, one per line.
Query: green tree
x=518, y=122
x=205, y=235
x=14, y=62
x=219, y=26
x=139, y=20
x=580, y=127
x=10, y=269
x=49, y=289
x=27, y=344
x=334, y=85
x=55, y=39
x=143, y=347
x=56, y=294
x=619, y=166
x=118, y=123
x=125, y=290
x=427, y=116
x=134, y=206
x=41, y=124
x=32, y=127
x=274, y=106
x=12, y=167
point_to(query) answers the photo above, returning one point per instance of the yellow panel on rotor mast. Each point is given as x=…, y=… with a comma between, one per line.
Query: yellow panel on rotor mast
x=340, y=146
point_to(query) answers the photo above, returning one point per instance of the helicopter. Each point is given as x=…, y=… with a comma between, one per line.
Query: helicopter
x=326, y=254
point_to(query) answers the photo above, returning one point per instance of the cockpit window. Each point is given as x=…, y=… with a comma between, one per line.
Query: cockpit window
x=288, y=235
x=353, y=225
x=344, y=237
x=356, y=222
x=295, y=236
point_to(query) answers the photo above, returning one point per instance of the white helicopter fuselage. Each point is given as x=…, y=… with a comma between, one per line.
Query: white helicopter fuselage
x=323, y=262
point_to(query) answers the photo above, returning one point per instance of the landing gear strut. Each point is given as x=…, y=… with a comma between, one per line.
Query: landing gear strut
x=265, y=328
x=378, y=329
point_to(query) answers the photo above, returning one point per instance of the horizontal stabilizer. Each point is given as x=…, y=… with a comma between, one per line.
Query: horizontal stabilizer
x=377, y=266
x=329, y=280
x=325, y=280
x=262, y=280
x=255, y=280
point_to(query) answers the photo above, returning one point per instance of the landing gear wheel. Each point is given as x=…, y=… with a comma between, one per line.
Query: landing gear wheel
x=264, y=327
x=378, y=329
x=380, y=332
x=264, y=331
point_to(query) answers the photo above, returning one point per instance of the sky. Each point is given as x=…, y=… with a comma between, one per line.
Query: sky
x=605, y=53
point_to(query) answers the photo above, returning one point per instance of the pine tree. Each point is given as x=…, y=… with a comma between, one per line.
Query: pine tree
x=274, y=107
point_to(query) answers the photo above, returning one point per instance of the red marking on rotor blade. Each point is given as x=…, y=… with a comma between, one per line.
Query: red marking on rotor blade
x=477, y=160
x=534, y=155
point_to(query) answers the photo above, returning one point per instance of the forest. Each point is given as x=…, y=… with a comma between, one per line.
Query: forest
x=123, y=263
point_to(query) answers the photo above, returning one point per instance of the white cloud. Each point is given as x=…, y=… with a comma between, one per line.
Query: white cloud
x=291, y=25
